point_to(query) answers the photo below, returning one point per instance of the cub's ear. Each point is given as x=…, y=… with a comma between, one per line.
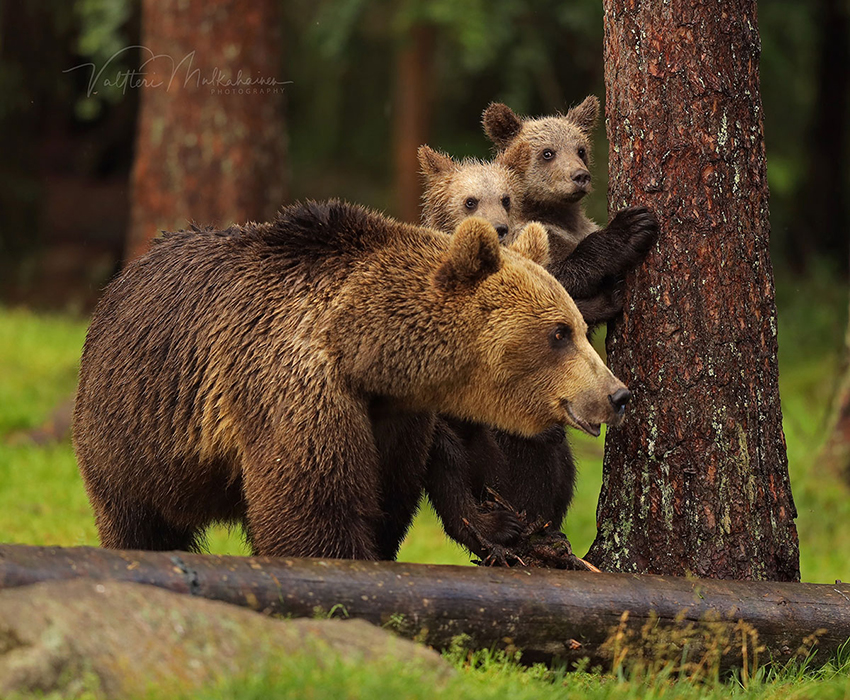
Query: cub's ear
x=533, y=243
x=585, y=115
x=517, y=158
x=500, y=124
x=474, y=254
x=433, y=163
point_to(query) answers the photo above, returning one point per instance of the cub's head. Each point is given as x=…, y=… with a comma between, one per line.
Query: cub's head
x=526, y=362
x=559, y=148
x=456, y=190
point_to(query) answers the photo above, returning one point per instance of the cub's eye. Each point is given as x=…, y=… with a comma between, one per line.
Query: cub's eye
x=582, y=153
x=506, y=203
x=471, y=203
x=561, y=336
x=548, y=154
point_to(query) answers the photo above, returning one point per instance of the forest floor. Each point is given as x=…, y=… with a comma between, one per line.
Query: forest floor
x=42, y=501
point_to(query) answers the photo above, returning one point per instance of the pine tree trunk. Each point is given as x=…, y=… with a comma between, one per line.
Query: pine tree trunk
x=208, y=150
x=696, y=479
x=412, y=119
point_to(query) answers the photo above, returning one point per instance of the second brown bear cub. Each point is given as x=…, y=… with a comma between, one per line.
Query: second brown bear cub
x=286, y=376
x=588, y=261
x=541, y=173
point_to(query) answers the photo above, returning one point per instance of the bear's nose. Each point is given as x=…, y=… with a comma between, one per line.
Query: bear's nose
x=581, y=178
x=502, y=230
x=619, y=399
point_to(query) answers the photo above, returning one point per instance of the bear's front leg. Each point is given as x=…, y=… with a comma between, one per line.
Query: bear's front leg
x=403, y=439
x=605, y=256
x=311, y=487
x=462, y=457
x=601, y=307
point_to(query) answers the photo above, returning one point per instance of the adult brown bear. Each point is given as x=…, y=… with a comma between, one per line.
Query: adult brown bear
x=286, y=375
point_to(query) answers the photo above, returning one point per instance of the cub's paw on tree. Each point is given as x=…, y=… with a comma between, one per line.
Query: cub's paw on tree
x=636, y=228
x=594, y=271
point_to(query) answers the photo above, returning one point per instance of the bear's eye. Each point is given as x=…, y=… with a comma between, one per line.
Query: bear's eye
x=582, y=153
x=548, y=154
x=471, y=203
x=506, y=202
x=561, y=336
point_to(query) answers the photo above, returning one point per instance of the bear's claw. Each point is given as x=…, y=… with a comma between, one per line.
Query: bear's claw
x=538, y=545
x=637, y=226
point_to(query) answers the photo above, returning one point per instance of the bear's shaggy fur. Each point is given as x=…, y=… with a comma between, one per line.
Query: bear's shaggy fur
x=555, y=177
x=286, y=375
x=470, y=464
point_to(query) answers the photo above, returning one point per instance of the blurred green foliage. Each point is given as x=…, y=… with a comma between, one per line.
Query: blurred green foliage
x=103, y=39
x=538, y=56
x=788, y=68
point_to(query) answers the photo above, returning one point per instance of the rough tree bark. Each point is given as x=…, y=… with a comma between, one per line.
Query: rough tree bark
x=696, y=480
x=412, y=118
x=208, y=150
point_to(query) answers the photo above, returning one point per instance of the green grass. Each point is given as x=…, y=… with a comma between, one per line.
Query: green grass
x=492, y=676
x=42, y=501
x=485, y=675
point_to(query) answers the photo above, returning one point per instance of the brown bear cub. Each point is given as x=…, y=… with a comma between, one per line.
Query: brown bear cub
x=456, y=190
x=470, y=463
x=554, y=180
x=286, y=375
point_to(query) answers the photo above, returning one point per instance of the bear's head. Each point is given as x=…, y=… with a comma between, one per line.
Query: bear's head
x=559, y=149
x=460, y=324
x=456, y=190
x=525, y=357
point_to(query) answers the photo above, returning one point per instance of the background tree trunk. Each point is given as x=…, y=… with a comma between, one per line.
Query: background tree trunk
x=413, y=94
x=696, y=479
x=209, y=152
x=825, y=212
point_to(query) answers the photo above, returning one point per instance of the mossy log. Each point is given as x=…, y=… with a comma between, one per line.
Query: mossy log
x=545, y=614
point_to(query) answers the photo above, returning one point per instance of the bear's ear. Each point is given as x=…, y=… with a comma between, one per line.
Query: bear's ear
x=517, y=158
x=474, y=254
x=533, y=243
x=585, y=115
x=433, y=163
x=500, y=124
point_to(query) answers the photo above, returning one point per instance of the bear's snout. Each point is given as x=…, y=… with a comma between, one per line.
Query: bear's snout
x=582, y=178
x=619, y=399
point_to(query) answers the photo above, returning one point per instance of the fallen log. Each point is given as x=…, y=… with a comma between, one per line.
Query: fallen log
x=545, y=614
